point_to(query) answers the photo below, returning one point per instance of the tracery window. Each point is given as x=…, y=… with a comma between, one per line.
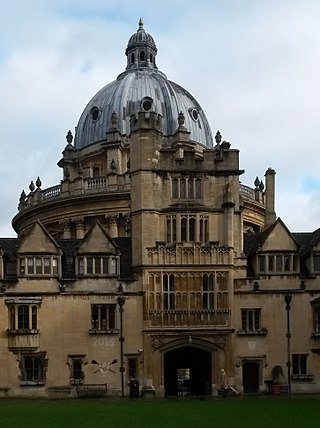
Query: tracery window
x=187, y=228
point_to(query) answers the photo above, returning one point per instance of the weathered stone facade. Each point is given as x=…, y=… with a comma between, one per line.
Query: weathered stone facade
x=150, y=252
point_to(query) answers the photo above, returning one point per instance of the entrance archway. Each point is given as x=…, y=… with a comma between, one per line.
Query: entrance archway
x=187, y=371
x=250, y=376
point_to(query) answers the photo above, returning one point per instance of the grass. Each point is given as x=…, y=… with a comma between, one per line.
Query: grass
x=242, y=412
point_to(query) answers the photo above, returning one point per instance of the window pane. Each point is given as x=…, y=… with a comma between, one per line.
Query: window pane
x=262, y=263
x=190, y=188
x=279, y=267
x=198, y=188
x=105, y=265
x=38, y=266
x=316, y=262
x=271, y=263
x=175, y=188
x=191, y=229
x=89, y=265
x=183, y=229
x=34, y=318
x=23, y=317
x=114, y=266
x=168, y=230
x=55, y=266
x=30, y=265
x=77, y=369
x=182, y=188
x=22, y=266
x=286, y=261
x=47, y=266
x=97, y=265
x=81, y=266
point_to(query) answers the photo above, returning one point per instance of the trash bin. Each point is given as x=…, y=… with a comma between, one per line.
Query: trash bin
x=134, y=388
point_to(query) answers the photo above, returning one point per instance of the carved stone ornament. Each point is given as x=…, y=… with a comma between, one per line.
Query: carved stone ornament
x=157, y=341
x=219, y=341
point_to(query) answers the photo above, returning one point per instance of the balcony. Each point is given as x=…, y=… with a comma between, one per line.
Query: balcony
x=81, y=186
x=189, y=318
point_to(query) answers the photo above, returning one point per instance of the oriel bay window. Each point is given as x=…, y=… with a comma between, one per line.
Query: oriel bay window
x=23, y=315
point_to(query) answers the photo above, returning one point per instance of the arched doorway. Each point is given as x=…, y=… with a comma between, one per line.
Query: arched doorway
x=250, y=376
x=187, y=371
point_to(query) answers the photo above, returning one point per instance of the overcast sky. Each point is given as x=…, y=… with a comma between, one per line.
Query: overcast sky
x=253, y=65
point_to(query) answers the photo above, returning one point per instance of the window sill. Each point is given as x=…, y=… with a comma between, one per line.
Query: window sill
x=262, y=332
x=32, y=383
x=76, y=381
x=111, y=331
x=302, y=377
x=21, y=331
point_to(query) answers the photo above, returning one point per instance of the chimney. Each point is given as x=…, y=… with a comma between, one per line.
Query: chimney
x=270, y=215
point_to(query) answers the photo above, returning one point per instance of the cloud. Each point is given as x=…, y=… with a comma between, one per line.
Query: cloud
x=252, y=66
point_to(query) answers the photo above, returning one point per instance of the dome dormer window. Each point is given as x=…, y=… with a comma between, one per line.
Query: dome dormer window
x=194, y=114
x=95, y=113
x=146, y=103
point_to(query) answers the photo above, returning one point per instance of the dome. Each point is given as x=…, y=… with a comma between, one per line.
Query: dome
x=141, y=87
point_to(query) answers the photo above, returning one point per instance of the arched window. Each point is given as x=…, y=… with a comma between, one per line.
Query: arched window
x=142, y=56
x=132, y=58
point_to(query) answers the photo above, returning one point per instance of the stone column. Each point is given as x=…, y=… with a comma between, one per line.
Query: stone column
x=113, y=225
x=79, y=224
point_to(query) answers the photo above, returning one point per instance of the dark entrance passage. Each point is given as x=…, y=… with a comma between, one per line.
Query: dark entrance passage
x=187, y=371
x=250, y=376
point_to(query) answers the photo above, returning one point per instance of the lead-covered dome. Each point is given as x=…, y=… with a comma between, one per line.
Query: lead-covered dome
x=141, y=87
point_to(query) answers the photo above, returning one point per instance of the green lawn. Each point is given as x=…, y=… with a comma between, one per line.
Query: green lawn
x=241, y=412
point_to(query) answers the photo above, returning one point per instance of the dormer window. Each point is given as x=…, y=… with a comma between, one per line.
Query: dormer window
x=98, y=265
x=316, y=263
x=38, y=266
x=278, y=263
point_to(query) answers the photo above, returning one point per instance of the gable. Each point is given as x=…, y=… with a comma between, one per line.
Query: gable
x=279, y=239
x=97, y=241
x=38, y=241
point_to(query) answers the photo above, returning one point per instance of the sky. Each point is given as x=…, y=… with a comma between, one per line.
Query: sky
x=253, y=65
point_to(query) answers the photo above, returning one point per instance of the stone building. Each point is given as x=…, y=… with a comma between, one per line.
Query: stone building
x=151, y=261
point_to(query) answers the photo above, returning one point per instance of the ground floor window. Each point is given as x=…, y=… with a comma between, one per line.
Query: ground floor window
x=299, y=364
x=76, y=363
x=33, y=368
